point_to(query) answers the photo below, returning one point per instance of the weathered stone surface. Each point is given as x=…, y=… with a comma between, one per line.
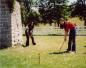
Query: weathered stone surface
x=10, y=25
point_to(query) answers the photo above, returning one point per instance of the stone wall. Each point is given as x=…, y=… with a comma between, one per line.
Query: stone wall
x=10, y=25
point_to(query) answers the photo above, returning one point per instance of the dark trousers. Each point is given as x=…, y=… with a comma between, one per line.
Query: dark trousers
x=72, y=41
x=29, y=34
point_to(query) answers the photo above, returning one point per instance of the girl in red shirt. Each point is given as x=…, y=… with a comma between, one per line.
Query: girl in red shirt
x=69, y=28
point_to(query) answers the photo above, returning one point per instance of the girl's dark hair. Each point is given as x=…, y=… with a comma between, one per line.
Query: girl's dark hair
x=63, y=25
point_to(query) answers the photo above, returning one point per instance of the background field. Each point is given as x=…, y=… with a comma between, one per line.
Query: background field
x=48, y=48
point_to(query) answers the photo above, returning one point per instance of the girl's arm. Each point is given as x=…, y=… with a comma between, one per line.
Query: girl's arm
x=65, y=36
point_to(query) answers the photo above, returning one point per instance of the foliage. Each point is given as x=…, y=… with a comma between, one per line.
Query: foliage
x=11, y=4
x=32, y=17
x=53, y=10
x=50, y=10
x=79, y=9
x=28, y=14
x=25, y=9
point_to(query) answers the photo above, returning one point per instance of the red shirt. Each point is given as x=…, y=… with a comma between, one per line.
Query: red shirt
x=69, y=26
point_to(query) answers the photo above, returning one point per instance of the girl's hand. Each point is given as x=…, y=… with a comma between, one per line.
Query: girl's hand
x=65, y=39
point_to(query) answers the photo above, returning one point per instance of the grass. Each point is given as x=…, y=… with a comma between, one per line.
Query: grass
x=46, y=51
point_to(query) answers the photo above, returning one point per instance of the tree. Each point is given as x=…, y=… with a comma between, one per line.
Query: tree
x=27, y=13
x=25, y=9
x=53, y=10
x=79, y=9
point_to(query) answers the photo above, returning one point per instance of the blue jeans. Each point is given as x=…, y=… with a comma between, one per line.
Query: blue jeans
x=72, y=41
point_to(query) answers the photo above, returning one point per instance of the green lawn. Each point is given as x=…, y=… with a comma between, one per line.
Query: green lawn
x=46, y=51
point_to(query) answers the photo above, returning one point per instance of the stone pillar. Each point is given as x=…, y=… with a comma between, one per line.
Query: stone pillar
x=16, y=25
x=10, y=25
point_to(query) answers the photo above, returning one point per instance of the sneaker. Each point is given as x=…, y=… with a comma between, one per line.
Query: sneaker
x=26, y=45
x=73, y=52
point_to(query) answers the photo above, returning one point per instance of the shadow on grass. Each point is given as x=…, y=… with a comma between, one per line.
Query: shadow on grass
x=84, y=46
x=3, y=48
x=58, y=52
x=84, y=53
x=24, y=46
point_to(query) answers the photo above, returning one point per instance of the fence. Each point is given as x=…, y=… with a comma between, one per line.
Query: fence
x=80, y=30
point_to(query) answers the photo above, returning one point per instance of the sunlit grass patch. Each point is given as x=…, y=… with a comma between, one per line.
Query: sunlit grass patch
x=47, y=49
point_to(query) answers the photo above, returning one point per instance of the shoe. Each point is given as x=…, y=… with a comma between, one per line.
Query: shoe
x=34, y=43
x=26, y=45
x=67, y=51
x=73, y=52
